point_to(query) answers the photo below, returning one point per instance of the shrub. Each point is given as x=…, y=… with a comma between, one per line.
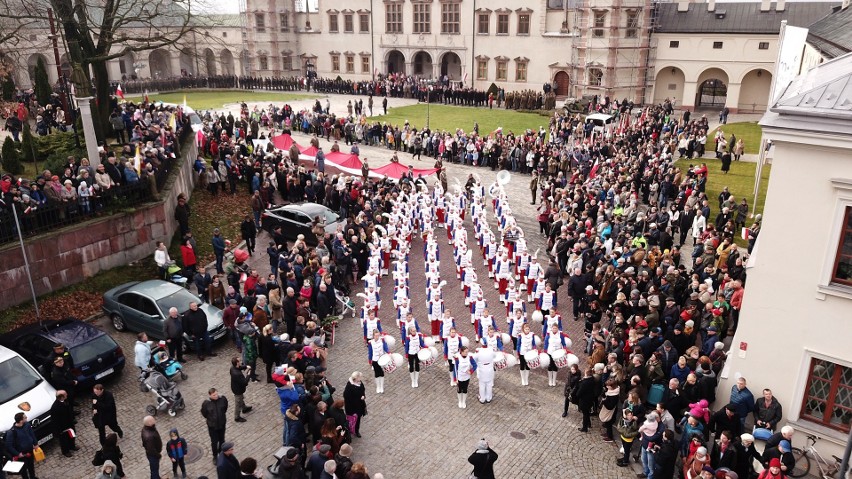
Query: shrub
x=11, y=160
x=27, y=144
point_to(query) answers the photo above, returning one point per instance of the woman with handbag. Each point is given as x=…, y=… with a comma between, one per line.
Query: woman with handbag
x=608, y=407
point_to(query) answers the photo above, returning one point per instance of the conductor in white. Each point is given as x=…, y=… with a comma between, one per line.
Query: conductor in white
x=485, y=373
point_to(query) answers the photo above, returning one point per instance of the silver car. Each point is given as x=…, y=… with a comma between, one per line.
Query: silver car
x=144, y=306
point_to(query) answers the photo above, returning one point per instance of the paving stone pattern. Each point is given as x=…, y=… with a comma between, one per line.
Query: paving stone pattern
x=408, y=433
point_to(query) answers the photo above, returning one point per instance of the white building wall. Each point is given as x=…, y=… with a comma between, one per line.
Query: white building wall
x=785, y=319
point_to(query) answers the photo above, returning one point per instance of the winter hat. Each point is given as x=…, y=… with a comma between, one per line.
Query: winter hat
x=346, y=450
x=708, y=469
x=785, y=446
x=701, y=452
x=227, y=446
x=243, y=310
x=775, y=462
x=482, y=445
x=324, y=449
x=719, y=345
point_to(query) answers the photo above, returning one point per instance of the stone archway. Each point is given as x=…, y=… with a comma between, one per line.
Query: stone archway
x=423, y=64
x=227, y=60
x=754, y=91
x=712, y=89
x=209, y=63
x=32, y=61
x=669, y=84
x=395, y=62
x=187, y=62
x=563, y=84
x=451, y=66
x=126, y=65
x=160, y=64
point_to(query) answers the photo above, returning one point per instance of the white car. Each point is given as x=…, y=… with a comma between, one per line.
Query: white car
x=23, y=389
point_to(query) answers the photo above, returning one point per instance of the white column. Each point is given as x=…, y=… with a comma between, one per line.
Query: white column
x=85, y=105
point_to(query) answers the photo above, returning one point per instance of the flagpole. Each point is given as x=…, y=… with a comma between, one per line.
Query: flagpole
x=26, y=263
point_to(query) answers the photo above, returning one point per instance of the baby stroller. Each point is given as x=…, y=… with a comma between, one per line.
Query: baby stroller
x=168, y=367
x=344, y=304
x=174, y=274
x=167, y=393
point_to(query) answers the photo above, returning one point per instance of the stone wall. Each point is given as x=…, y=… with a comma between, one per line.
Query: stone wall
x=67, y=256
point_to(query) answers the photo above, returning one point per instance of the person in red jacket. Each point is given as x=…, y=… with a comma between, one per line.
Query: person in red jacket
x=188, y=255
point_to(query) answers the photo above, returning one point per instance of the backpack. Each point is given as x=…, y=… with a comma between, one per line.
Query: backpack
x=99, y=459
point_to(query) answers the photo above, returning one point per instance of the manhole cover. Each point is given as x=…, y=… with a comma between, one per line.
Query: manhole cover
x=533, y=432
x=532, y=404
x=518, y=435
x=193, y=454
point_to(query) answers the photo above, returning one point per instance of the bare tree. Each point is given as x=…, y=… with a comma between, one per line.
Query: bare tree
x=96, y=31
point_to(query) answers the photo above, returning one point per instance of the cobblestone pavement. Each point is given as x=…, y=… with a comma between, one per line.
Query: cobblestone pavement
x=408, y=432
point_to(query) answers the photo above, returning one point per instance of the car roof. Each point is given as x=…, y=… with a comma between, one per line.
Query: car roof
x=6, y=354
x=69, y=332
x=154, y=288
x=307, y=208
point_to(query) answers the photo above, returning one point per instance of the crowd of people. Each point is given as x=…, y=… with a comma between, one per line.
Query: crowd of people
x=615, y=213
x=148, y=138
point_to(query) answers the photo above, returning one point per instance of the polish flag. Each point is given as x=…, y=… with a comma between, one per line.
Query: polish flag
x=119, y=92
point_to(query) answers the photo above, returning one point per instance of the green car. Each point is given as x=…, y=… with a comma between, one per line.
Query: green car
x=144, y=306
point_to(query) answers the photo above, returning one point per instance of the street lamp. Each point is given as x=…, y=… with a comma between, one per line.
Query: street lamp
x=26, y=262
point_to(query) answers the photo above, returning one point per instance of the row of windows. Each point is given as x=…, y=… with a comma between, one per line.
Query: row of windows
x=283, y=22
x=422, y=18
x=350, y=63
x=502, y=73
x=631, y=26
x=719, y=45
x=483, y=24
x=349, y=23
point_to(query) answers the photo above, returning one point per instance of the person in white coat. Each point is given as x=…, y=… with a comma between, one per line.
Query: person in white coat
x=699, y=224
x=485, y=372
x=464, y=366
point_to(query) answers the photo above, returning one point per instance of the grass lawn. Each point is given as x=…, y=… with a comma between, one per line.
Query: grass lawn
x=212, y=100
x=740, y=182
x=748, y=131
x=445, y=117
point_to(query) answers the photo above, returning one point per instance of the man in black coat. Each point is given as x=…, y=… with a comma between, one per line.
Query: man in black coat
x=577, y=290
x=104, y=412
x=725, y=419
x=61, y=377
x=325, y=301
x=288, y=306
x=196, y=327
x=215, y=412
x=239, y=383
x=586, y=395
x=483, y=459
x=62, y=417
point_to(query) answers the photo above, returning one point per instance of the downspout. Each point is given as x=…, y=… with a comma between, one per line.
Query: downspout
x=372, y=41
x=471, y=70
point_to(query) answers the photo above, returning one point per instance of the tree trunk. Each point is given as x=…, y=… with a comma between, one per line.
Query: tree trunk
x=101, y=111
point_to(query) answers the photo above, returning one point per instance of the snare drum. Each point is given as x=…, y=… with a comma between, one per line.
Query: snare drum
x=544, y=359
x=532, y=359
x=560, y=358
x=500, y=362
x=386, y=363
x=425, y=357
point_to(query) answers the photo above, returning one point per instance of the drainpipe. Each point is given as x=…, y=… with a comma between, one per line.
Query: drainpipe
x=472, y=69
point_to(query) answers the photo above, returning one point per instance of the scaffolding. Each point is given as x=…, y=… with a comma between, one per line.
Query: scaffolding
x=611, y=47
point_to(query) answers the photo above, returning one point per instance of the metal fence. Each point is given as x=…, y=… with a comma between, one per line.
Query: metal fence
x=54, y=216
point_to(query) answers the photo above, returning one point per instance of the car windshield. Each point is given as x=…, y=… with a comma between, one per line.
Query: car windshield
x=330, y=216
x=180, y=299
x=86, y=352
x=16, y=378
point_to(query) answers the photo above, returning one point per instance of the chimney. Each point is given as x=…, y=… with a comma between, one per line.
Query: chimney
x=683, y=5
x=780, y=5
x=711, y=5
x=764, y=5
